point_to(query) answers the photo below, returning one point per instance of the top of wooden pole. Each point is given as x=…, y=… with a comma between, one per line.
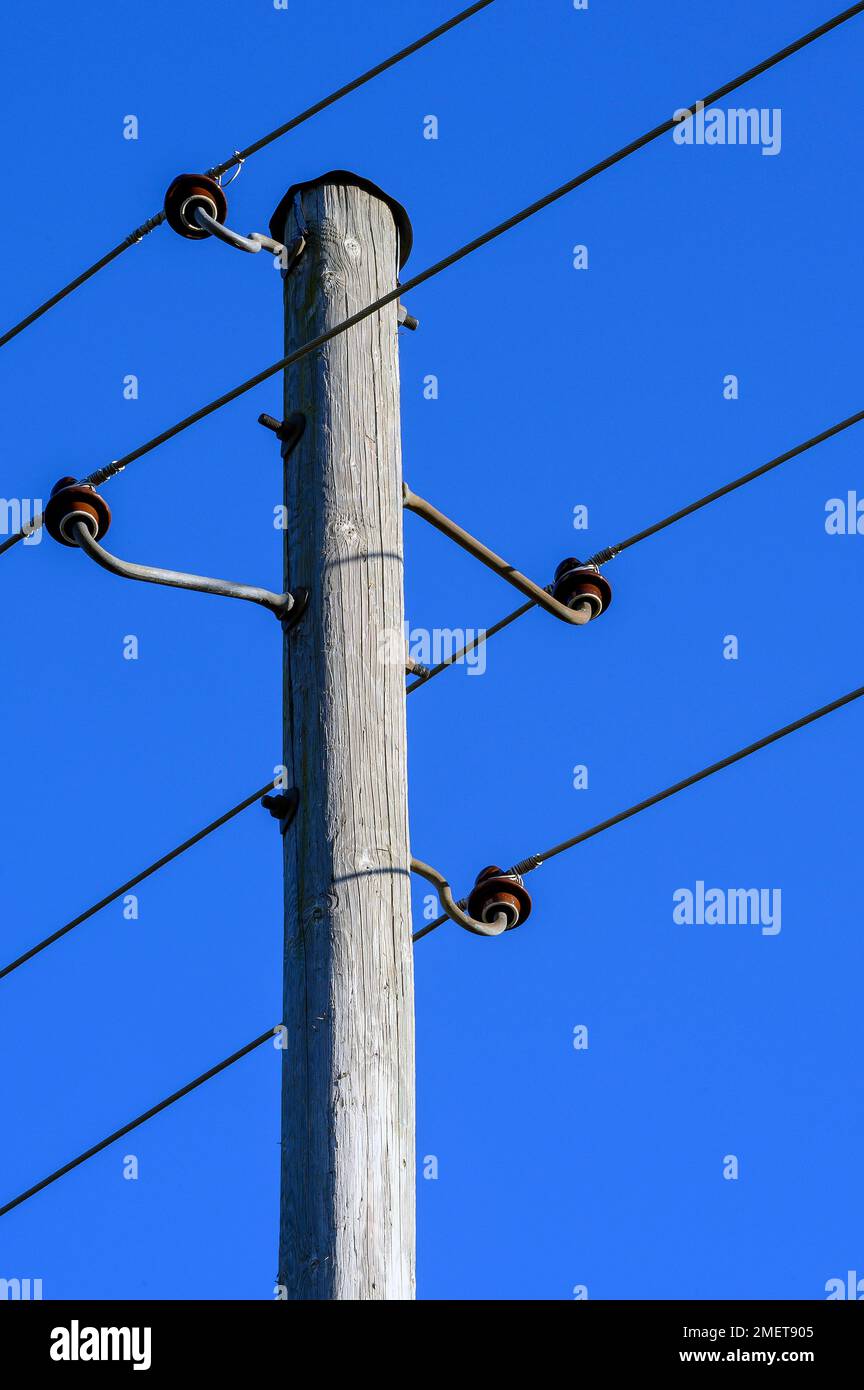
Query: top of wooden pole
x=344, y=176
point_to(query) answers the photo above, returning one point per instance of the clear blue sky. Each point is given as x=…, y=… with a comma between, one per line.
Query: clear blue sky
x=557, y=387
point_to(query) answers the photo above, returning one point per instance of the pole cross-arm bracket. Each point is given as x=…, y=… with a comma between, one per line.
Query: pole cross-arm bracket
x=585, y=595
x=76, y=515
x=284, y=606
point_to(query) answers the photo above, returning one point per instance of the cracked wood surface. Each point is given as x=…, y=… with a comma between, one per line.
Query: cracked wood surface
x=348, y=1151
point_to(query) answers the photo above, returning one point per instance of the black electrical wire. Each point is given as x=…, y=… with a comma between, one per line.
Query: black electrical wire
x=133, y=1124
x=281, y=130
x=145, y=873
x=609, y=552
x=103, y=474
x=535, y=860
x=603, y=556
x=240, y=156
x=131, y=240
x=471, y=646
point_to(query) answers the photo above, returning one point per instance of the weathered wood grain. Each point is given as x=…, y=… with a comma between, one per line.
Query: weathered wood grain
x=348, y=1164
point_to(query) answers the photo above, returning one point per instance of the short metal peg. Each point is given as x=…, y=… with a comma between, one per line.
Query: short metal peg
x=282, y=806
x=290, y=430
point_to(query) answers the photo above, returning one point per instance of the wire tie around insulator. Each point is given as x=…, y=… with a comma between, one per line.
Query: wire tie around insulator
x=217, y=171
x=144, y=230
x=417, y=669
x=102, y=475
x=526, y=866
x=604, y=556
x=239, y=169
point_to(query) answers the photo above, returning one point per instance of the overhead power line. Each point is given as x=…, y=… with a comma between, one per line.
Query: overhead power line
x=603, y=557
x=131, y=240
x=240, y=156
x=133, y=1124
x=345, y=91
x=470, y=646
x=139, y=878
x=534, y=861
x=525, y=866
x=102, y=475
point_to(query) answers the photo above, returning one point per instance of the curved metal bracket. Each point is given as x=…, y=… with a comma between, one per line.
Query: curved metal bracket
x=452, y=908
x=578, y=616
x=285, y=606
x=255, y=242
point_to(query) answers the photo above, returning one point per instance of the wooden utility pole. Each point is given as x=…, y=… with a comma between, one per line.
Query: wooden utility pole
x=348, y=1161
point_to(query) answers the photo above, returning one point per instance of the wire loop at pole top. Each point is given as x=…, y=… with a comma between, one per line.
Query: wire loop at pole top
x=237, y=172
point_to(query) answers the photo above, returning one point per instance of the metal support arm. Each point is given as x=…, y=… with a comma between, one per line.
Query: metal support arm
x=579, y=615
x=283, y=605
x=253, y=243
x=452, y=908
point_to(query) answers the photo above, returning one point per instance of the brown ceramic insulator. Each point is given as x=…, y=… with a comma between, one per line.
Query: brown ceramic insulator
x=575, y=581
x=67, y=497
x=587, y=589
x=187, y=186
x=507, y=892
